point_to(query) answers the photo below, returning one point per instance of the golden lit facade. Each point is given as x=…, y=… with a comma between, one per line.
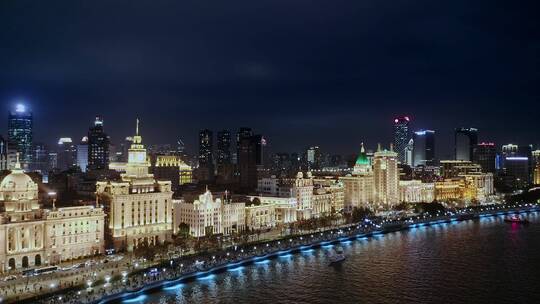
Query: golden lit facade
x=414, y=191
x=449, y=190
x=359, y=187
x=32, y=237
x=139, y=208
x=386, y=178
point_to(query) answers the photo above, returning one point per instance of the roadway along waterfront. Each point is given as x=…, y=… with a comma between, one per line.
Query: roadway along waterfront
x=152, y=284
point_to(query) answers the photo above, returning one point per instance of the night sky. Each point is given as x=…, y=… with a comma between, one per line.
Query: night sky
x=328, y=73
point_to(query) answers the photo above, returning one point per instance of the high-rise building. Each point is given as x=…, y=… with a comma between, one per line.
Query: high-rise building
x=3, y=154
x=516, y=169
x=424, y=148
x=67, y=154
x=40, y=159
x=98, y=146
x=409, y=153
x=206, y=158
x=82, y=154
x=224, y=147
x=465, y=140
x=401, y=136
x=249, y=155
x=139, y=207
x=536, y=166
x=485, y=154
x=313, y=158
x=20, y=124
x=225, y=167
x=386, y=177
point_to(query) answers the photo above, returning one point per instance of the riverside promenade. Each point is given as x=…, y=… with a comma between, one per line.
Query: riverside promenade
x=135, y=285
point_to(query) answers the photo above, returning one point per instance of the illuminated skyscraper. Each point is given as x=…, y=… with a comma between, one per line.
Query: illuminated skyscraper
x=409, y=153
x=401, y=137
x=98, y=146
x=82, y=154
x=424, y=148
x=3, y=154
x=313, y=158
x=465, y=141
x=206, y=159
x=20, y=124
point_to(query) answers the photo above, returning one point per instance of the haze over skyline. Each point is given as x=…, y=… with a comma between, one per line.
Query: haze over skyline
x=332, y=74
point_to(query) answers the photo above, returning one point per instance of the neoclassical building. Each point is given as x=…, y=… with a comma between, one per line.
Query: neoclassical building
x=31, y=236
x=139, y=207
x=209, y=215
x=359, y=186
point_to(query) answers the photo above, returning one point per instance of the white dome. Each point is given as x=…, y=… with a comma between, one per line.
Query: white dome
x=18, y=182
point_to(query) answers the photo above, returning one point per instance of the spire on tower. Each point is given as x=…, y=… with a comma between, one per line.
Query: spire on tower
x=137, y=128
x=18, y=163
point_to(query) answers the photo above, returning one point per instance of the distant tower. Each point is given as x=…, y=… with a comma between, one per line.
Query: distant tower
x=466, y=140
x=224, y=147
x=82, y=154
x=409, y=150
x=98, y=146
x=249, y=156
x=20, y=124
x=3, y=154
x=206, y=159
x=485, y=155
x=424, y=148
x=401, y=137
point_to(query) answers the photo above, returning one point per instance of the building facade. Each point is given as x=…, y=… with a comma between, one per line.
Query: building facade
x=98, y=146
x=32, y=237
x=208, y=216
x=485, y=154
x=359, y=187
x=20, y=138
x=424, y=148
x=465, y=140
x=415, y=191
x=401, y=137
x=138, y=206
x=386, y=178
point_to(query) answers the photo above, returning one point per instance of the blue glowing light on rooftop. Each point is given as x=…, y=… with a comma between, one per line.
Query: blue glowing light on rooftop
x=20, y=108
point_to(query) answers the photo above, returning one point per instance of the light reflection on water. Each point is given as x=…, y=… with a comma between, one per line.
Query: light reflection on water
x=472, y=261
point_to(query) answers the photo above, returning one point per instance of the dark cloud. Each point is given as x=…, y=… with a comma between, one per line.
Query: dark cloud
x=331, y=73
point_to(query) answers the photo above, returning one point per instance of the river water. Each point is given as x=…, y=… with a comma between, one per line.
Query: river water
x=480, y=261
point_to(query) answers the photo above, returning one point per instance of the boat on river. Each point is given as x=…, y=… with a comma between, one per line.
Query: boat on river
x=516, y=219
x=337, y=257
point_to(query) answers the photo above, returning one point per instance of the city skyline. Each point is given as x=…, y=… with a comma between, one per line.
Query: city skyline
x=320, y=71
x=448, y=145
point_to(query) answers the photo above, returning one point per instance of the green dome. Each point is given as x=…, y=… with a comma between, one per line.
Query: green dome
x=362, y=157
